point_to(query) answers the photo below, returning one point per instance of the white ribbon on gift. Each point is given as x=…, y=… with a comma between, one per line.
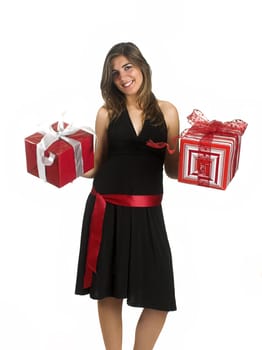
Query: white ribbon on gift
x=50, y=137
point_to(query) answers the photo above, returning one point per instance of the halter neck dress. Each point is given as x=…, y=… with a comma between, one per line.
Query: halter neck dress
x=134, y=260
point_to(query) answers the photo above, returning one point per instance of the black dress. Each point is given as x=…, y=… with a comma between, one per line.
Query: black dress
x=134, y=260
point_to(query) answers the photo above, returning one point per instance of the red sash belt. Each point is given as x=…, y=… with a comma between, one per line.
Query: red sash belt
x=97, y=219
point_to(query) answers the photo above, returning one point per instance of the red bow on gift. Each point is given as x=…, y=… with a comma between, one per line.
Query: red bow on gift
x=204, y=126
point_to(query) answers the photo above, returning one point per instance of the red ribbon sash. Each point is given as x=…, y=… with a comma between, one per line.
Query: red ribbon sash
x=97, y=219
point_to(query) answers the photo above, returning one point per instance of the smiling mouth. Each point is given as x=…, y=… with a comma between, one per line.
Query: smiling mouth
x=126, y=85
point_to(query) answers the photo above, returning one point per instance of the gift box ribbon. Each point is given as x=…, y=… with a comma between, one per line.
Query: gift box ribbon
x=200, y=124
x=51, y=136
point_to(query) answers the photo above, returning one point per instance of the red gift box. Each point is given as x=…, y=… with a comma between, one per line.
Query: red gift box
x=59, y=155
x=209, y=151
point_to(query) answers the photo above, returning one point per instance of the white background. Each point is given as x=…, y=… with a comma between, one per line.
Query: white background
x=203, y=54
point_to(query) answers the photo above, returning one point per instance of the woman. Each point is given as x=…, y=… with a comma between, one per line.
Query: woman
x=124, y=251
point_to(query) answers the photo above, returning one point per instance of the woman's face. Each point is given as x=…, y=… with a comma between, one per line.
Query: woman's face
x=127, y=77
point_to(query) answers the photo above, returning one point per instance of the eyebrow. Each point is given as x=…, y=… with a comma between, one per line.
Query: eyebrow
x=124, y=65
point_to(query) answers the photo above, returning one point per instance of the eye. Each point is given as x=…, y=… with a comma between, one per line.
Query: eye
x=128, y=66
x=115, y=74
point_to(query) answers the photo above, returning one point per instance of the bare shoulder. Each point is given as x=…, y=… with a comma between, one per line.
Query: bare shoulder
x=102, y=114
x=166, y=106
x=102, y=118
x=170, y=112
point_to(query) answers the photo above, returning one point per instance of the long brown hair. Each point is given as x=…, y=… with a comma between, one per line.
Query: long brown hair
x=115, y=101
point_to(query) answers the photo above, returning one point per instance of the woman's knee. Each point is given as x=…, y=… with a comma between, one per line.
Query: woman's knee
x=110, y=302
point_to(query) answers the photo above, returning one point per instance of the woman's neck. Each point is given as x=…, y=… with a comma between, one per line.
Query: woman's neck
x=131, y=103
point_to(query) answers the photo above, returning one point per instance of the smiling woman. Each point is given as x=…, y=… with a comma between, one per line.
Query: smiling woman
x=128, y=78
x=124, y=251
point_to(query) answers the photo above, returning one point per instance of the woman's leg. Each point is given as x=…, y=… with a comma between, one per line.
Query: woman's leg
x=110, y=317
x=148, y=328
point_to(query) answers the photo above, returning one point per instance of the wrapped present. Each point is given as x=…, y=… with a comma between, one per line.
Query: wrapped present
x=209, y=151
x=60, y=154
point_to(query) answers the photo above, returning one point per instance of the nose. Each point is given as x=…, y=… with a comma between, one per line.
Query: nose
x=122, y=74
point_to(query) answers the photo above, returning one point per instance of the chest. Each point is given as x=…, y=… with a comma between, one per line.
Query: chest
x=122, y=131
x=136, y=120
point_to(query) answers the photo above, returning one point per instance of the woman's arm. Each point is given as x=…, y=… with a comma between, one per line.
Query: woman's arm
x=172, y=122
x=102, y=122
